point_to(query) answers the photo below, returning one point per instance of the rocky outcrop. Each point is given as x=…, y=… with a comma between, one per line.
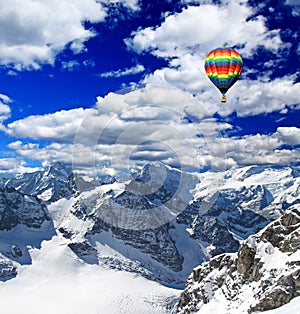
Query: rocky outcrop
x=157, y=243
x=24, y=222
x=235, y=213
x=84, y=251
x=7, y=269
x=17, y=208
x=267, y=262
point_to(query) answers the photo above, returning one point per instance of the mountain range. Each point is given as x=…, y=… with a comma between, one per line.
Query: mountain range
x=159, y=225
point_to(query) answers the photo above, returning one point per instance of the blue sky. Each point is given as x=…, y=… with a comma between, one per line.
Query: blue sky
x=107, y=85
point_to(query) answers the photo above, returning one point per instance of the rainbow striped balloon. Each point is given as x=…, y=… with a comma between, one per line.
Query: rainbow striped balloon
x=223, y=66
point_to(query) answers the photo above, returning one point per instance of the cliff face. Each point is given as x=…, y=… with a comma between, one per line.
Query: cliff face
x=264, y=274
x=24, y=222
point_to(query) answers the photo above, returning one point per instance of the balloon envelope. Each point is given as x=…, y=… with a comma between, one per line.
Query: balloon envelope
x=223, y=66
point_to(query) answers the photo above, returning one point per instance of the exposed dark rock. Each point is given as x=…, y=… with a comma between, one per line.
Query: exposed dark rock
x=245, y=261
x=67, y=234
x=7, y=269
x=84, y=251
x=228, y=274
x=17, y=208
x=156, y=242
x=285, y=289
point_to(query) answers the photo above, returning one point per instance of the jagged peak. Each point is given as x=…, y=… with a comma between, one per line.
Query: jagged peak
x=59, y=169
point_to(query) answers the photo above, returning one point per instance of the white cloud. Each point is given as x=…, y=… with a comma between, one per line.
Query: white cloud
x=246, y=97
x=4, y=109
x=128, y=130
x=257, y=149
x=70, y=65
x=256, y=97
x=289, y=135
x=31, y=31
x=198, y=29
x=128, y=71
x=13, y=165
x=185, y=38
x=59, y=126
x=7, y=163
x=121, y=128
x=193, y=153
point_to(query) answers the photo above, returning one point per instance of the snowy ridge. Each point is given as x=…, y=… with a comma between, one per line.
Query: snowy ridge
x=95, y=231
x=263, y=275
x=51, y=184
x=156, y=226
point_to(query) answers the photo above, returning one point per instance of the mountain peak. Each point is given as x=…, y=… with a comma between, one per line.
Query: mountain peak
x=59, y=170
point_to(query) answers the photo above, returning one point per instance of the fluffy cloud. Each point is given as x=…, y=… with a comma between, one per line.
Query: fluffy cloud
x=201, y=28
x=214, y=152
x=257, y=96
x=289, y=135
x=246, y=98
x=144, y=125
x=185, y=38
x=30, y=31
x=125, y=131
x=7, y=163
x=59, y=126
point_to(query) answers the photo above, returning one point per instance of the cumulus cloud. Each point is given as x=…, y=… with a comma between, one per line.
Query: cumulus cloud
x=246, y=98
x=200, y=28
x=257, y=96
x=7, y=163
x=289, y=135
x=191, y=153
x=258, y=149
x=185, y=38
x=30, y=31
x=125, y=131
x=59, y=126
x=141, y=126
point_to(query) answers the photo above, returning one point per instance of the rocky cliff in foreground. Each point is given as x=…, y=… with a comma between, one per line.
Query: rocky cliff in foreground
x=264, y=274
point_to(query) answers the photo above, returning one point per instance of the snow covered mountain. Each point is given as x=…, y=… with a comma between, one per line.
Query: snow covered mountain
x=159, y=224
x=24, y=222
x=55, y=182
x=264, y=274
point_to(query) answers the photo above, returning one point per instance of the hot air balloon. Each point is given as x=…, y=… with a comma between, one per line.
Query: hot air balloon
x=223, y=67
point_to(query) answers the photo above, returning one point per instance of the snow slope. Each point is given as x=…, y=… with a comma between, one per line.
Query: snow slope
x=93, y=260
x=59, y=282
